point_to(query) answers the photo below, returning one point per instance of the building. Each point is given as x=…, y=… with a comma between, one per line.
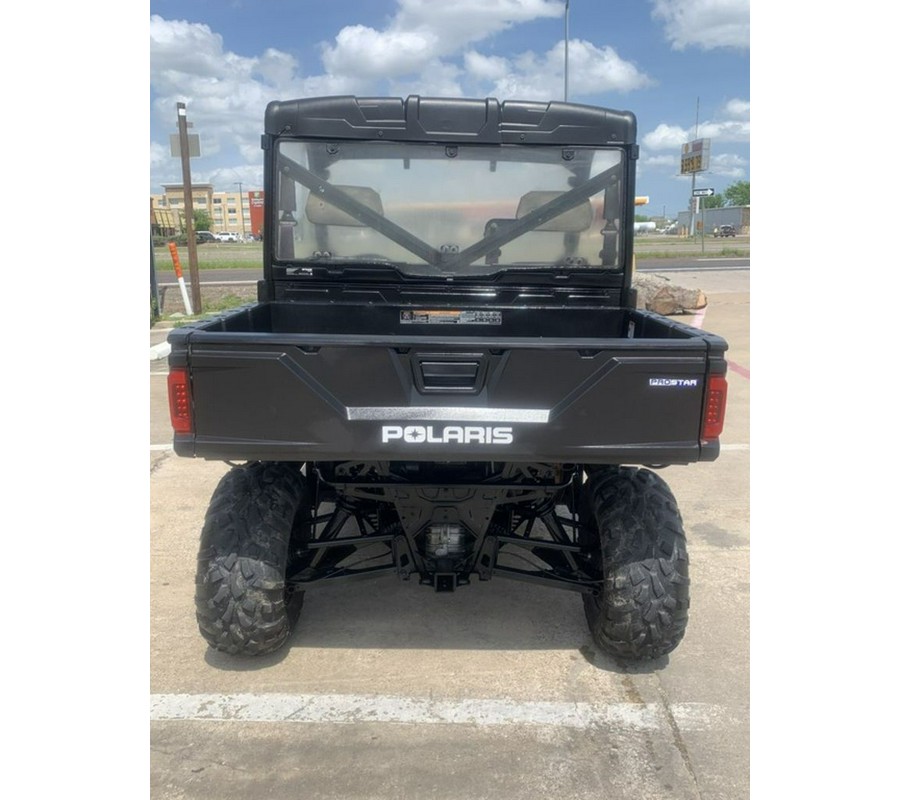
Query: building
x=235, y=212
x=712, y=218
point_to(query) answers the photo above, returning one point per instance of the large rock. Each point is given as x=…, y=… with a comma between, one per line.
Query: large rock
x=657, y=293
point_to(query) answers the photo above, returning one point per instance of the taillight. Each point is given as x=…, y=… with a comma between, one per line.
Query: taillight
x=180, y=400
x=714, y=407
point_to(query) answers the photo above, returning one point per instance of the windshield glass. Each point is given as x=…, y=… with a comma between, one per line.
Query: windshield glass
x=448, y=210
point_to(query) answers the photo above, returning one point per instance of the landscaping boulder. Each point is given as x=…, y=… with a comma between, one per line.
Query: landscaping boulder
x=658, y=293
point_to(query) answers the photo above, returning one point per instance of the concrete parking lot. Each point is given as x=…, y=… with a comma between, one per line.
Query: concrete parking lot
x=389, y=690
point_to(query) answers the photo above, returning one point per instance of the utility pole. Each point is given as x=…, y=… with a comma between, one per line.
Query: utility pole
x=702, y=224
x=189, y=207
x=241, y=205
x=154, y=286
x=566, y=68
x=694, y=203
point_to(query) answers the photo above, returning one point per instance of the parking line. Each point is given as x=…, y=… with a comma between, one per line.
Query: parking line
x=354, y=709
x=697, y=322
x=742, y=371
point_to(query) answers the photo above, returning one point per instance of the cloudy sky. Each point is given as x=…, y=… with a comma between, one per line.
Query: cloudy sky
x=227, y=58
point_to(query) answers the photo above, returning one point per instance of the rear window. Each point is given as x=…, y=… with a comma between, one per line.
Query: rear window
x=448, y=210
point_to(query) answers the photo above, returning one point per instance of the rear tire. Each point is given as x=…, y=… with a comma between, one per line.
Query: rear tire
x=254, y=523
x=636, y=534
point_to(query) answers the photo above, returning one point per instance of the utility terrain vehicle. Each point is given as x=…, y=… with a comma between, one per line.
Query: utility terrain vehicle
x=445, y=375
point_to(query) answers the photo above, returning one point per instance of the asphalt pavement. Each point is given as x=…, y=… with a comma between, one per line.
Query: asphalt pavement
x=388, y=690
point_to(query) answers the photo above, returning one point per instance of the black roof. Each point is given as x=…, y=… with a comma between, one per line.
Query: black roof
x=430, y=119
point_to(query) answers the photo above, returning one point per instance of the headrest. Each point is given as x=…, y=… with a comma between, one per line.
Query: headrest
x=574, y=220
x=320, y=212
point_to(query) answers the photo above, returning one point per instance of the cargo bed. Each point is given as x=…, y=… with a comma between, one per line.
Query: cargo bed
x=321, y=381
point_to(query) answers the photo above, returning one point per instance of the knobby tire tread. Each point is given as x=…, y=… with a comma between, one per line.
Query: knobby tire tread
x=241, y=602
x=638, y=535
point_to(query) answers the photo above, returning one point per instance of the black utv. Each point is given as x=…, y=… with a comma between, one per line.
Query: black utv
x=445, y=376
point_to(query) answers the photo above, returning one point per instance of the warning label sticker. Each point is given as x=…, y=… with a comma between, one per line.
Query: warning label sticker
x=445, y=316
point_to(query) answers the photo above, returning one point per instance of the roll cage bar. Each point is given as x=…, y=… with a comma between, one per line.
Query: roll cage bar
x=494, y=238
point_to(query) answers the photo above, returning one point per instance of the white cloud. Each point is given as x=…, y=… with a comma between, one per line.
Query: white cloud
x=415, y=47
x=728, y=165
x=436, y=79
x=225, y=94
x=739, y=109
x=179, y=47
x=666, y=161
x=188, y=63
x=599, y=69
x=485, y=68
x=733, y=127
x=248, y=175
x=421, y=33
x=706, y=24
x=662, y=146
x=666, y=137
x=464, y=22
x=424, y=48
x=471, y=20
x=592, y=70
x=362, y=50
x=159, y=154
x=276, y=68
x=727, y=131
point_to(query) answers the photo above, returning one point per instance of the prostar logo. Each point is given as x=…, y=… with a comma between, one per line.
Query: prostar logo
x=683, y=382
x=448, y=434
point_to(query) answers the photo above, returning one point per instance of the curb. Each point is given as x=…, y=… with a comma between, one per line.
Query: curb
x=160, y=351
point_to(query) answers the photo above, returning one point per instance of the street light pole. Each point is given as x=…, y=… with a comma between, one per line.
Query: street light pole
x=241, y=205
x=566, y=68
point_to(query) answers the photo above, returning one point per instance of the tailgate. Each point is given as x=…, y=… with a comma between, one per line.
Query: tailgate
x=304, y=397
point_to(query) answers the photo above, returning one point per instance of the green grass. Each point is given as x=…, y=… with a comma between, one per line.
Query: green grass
x=689, y=249
x=211, y=307
x=224, y=255
x=725, y=252
x=249, y=255
x=223, y=303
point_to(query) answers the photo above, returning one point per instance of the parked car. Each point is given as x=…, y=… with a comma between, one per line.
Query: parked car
x=228, y=236
x=204, y=237
x=724, y=230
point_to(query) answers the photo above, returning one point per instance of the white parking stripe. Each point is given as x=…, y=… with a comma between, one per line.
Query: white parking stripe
x=350, y=709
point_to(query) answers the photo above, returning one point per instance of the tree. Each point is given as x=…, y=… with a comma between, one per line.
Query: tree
x=738, y=194
x=202, y=220
x=713, y=201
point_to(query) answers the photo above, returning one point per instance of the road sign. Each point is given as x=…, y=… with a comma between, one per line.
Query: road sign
x=193, y=144
x=695, y=156
x=703, y=192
